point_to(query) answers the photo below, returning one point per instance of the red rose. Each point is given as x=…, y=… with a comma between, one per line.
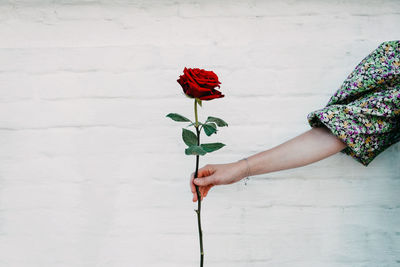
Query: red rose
x=199, y=83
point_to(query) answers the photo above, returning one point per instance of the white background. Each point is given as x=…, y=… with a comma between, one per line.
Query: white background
x=93, y=174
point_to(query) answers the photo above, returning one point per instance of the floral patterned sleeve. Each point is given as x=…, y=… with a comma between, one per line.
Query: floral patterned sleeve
x=365, y=111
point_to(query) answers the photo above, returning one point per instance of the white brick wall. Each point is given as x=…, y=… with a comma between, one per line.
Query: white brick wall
x=93, y=174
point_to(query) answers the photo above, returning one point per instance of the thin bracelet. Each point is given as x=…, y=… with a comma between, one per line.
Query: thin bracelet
x=248, y=169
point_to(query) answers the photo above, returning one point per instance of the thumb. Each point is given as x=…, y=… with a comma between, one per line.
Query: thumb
x=203, y=181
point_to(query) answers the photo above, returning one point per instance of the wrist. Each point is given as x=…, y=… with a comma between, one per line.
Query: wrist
x=243, y=168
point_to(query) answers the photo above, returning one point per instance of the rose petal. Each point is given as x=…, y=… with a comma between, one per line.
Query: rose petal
x=200, y=83
x=210, y=97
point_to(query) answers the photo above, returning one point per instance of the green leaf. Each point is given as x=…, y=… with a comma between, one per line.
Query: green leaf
x=195, y=150
x=189, y=137
x=210, y=147
x=194, y=123
x=210, y=128
x=218, y=121
x=177, y=117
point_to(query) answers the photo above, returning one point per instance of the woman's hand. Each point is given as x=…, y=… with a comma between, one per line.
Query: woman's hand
x=217, y=174
x=311, y=146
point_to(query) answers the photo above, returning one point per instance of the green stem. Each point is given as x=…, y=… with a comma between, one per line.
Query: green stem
x=195, y=114
x=197, y=187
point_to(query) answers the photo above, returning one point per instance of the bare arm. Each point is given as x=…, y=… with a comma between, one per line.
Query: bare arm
x=311, y=146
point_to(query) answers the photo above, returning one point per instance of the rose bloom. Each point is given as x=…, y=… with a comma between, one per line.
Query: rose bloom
x=199, y=83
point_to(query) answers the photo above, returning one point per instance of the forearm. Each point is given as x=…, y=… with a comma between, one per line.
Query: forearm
x=311, y=146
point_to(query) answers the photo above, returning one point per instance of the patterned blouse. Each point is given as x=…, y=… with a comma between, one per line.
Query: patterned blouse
x=365, y=111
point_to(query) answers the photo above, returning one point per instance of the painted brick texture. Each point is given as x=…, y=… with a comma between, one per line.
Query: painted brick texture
x=93, y=174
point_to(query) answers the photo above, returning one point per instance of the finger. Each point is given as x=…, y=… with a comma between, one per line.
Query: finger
x=192, y=187
x=204, y=181
x=195, y=197
x=205, y=190
x=202, y=190
x=205, y=171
